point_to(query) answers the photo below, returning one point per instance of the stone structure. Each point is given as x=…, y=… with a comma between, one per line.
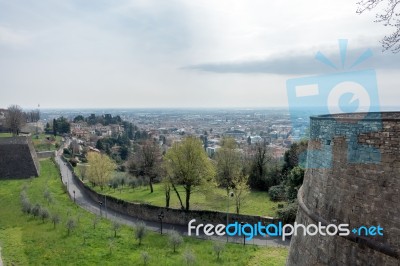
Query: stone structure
x=353, y=178
x=18, y=158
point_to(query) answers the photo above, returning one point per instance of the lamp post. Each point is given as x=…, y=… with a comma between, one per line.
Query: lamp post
x=230, y=195
x=100, y=203
x=161, y=217
x=244, y=236
x=74, y=195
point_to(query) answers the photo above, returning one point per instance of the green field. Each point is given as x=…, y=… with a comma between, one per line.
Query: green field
x=4, y=135
x=255, y=203
x=26, y=240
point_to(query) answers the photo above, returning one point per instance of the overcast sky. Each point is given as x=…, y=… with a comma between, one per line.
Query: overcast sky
x=184, y=53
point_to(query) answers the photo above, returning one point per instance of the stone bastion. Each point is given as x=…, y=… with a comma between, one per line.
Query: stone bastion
x=352, y=177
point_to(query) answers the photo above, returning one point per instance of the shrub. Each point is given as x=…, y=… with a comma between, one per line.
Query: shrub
x=73, y=162
x=175, y=239
x=288, y=213
x=277, y=193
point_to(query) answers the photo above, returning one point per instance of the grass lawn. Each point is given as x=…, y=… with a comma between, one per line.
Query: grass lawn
x=26, y=240
x=42, y=142
x=255, y=203
x=4, y=135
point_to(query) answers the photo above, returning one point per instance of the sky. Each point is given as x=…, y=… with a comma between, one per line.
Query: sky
x=147, y=53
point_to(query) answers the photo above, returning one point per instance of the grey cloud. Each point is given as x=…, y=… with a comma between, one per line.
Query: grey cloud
x=302, y=63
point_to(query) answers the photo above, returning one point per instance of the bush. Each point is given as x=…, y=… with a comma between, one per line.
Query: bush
x=277, y=193
x=66, y=151
x=73, y=162
x=175, y=239
x=288, y=214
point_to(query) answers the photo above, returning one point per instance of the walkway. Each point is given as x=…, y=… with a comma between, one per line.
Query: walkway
x=83, y=200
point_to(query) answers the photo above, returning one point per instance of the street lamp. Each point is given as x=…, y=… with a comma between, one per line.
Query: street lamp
x=161, y=217
x=230, y=195
x=74, y=195
x=244, y=236
x=100, y=203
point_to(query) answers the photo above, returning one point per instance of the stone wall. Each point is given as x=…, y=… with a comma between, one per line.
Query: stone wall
x=174, y=216
x=361, y=187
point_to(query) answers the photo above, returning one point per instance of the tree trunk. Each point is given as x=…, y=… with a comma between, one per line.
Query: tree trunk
x=167, y=197
x=177, y=194
x=188, y=190
x=151, y=184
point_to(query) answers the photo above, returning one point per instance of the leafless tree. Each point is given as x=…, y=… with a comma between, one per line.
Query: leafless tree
x=389, y=16
x=147, y=161
x=15, y=119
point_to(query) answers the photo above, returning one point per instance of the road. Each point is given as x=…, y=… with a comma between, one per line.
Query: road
x=79, y=196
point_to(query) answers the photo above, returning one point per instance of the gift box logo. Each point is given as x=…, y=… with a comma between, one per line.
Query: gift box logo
x=344, y=91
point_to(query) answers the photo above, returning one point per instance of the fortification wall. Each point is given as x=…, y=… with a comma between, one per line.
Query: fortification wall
x=361, y=187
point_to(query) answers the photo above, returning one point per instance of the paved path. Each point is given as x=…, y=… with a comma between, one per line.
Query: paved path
x=80, y=197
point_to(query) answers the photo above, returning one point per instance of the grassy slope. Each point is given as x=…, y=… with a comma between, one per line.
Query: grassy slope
x=27, y=241
x=256, y=203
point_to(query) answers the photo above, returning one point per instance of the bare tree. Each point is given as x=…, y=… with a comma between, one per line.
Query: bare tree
x=147, y=161
x=15, y=119
x=390, y=16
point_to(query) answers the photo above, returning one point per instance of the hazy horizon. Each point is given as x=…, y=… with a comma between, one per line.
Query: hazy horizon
x=180, y=54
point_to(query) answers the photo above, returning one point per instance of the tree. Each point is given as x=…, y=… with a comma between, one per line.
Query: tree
x=79, y=118
x=147, y=161
x=100, y=169
x=175, y=240
x=71, y=224
x=115, y=227
x=55, y=218
x=189, y=257
x=15, y=119
x=294, y=182
x=240, y=190
x=44, y=214
x=188, y=165
x=140, y=232
x=218, y=248
x=264, y=170
x=390, y=17
x=296, y=155
x=229, y=164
